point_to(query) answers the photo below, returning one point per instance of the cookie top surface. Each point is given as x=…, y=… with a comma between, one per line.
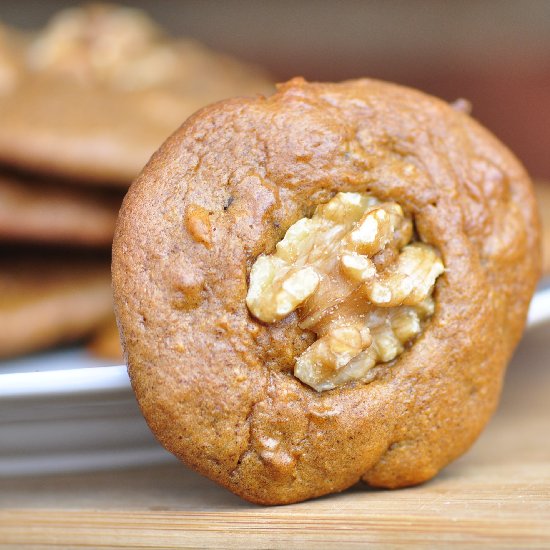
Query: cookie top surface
x=92, y=95
x=216, y=385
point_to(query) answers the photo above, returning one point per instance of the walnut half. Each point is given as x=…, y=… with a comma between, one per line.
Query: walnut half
x=357, y=277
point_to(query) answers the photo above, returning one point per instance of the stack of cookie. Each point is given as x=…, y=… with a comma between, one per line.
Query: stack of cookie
x=83, y=105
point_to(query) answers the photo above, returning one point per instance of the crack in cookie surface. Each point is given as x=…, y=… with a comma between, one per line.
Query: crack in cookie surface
x=357, y=277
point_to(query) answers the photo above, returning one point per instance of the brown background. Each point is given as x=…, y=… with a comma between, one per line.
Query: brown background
x=496, y=53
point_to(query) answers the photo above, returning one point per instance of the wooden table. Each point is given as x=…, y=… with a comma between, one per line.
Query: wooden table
x=498, y=495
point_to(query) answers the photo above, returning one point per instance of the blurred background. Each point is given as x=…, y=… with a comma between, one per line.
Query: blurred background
x=496, y=53
x=86, y=95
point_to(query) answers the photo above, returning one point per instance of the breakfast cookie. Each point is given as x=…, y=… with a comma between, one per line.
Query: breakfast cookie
x=49, y=299
x=102, y=87
x=324, y=286
x=542, y=189
x=32, y=210
x=105, y=342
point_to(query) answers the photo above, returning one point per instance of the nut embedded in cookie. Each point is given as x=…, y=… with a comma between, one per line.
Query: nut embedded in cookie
x=360, y=281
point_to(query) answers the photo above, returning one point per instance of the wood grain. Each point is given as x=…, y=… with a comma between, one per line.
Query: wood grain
x=497, y=496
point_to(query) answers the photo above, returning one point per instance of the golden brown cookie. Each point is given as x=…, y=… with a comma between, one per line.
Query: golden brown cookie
x=542, y=189
x=32, y=210
x=105, y=343
x=12, y=47
x=218, y=387
x=102, y=87
x=49, y=299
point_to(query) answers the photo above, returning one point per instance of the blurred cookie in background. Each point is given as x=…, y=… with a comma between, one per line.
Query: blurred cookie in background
x=101, y=87
x=542, y=189
x=41, y=211
x=48, y=299
x=105, y=343
x=12, y=47
x=84, y=102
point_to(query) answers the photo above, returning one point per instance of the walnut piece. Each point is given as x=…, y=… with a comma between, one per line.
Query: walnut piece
x=357, y=277
x=117, y=46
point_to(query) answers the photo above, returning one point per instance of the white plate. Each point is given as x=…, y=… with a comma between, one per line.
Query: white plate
x=60, y=412
x=65, y=411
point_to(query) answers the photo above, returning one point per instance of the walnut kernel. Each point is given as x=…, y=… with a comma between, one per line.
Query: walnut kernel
x=356, y=277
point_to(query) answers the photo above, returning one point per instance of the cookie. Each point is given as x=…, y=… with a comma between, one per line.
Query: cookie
x=102, y=87
x=324, y=286
x=12, y=47
x=542, y=189
x=38, y=211
x=105, y=342
x=49, y=299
